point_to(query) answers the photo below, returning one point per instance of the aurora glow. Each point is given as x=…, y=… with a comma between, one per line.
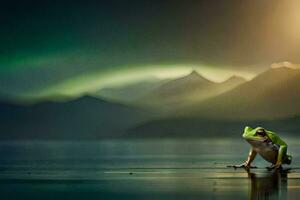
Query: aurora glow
x=69, y=48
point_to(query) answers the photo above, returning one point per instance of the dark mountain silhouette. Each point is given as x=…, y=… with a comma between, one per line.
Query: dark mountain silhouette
x=199, y=127
x=83, y=118
x=272, y=94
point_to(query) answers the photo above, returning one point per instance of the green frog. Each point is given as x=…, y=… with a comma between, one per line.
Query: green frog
x=268, y=145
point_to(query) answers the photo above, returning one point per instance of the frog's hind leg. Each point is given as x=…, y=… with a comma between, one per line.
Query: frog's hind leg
x=280, y=168
x=272, y=166
x=287, y=159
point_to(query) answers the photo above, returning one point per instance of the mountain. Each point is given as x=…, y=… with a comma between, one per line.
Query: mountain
x=273, y=94
x=190, y=127
x=83, y=118
x=230, y=83
x=186, y=90
x=131, y=92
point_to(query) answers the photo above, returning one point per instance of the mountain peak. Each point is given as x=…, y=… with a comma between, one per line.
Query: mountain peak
x=284, y=65
x=194, y=75
x=280, y=71
x=235, y=78
x=283, y=68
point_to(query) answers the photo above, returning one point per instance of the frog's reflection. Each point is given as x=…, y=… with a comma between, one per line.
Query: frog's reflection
x=269, y=185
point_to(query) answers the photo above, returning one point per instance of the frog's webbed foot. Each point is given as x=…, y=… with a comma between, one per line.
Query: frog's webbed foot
x=276, y=167
x=243, y=165
x=270, y=167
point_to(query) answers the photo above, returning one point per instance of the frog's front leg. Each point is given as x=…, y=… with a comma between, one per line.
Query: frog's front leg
x=251, y=156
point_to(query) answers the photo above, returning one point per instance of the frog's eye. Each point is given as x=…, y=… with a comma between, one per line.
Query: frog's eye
x=260, y=132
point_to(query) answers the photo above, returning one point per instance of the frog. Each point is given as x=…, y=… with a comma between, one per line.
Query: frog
x=268, y=145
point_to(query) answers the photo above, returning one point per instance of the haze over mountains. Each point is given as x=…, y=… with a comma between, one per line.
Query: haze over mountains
x=83, y=118
x=271, y=100
x=186, y=90
x=130, y=92
x=193, y=103
x=169, y=95
x=271, y=95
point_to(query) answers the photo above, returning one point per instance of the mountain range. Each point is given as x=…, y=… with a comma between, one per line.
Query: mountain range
x=193, y=103
x=169, y=95
x=189, y=127
x=83, y=118
x=272, y=94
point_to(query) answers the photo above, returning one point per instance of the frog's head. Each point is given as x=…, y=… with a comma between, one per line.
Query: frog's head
x=257, y=134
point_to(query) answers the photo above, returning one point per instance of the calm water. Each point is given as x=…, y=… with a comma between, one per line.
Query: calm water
x=137, y=169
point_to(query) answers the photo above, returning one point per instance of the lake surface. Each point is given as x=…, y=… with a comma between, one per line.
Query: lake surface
x=141, y=169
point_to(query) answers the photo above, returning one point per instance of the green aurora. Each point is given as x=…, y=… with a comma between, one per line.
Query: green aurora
x=69, y=48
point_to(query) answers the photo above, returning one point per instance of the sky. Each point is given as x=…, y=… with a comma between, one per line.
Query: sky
x=70, y=47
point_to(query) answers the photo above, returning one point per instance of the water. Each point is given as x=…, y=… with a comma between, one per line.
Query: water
x=141, y=169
